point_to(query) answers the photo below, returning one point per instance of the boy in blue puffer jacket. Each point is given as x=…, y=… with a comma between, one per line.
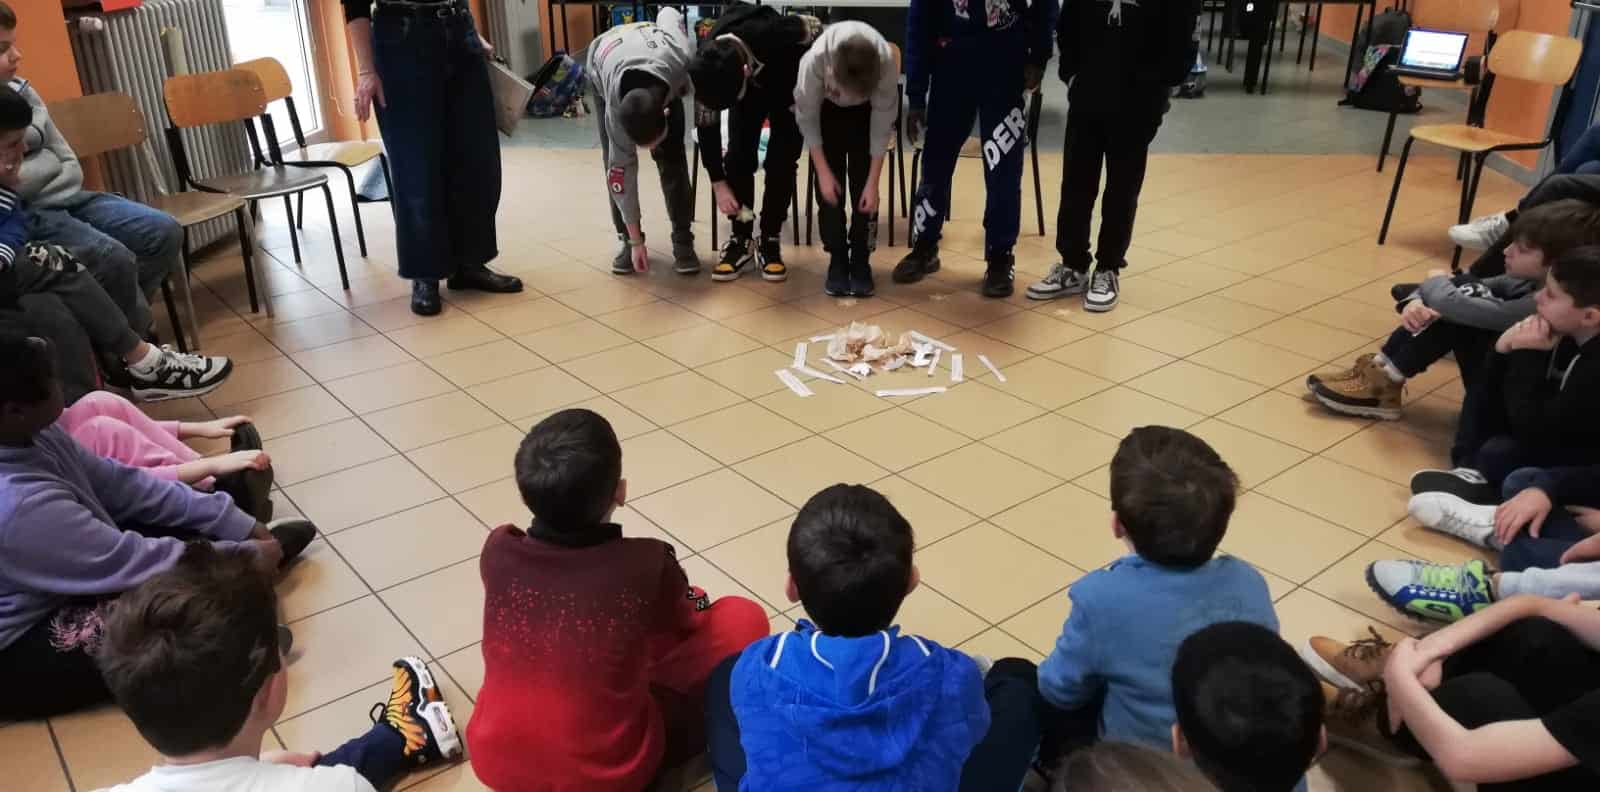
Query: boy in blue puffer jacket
x=850, y=702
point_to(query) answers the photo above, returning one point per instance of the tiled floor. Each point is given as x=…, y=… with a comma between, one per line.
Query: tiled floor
x=395, y=434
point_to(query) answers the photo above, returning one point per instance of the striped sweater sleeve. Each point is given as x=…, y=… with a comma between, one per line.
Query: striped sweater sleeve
x=13, y=227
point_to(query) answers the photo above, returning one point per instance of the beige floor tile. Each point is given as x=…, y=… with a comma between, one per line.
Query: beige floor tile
x=470, y=460
x=749, y=374
x=317, y=452
x=1419, y=542
x=973, y=344
x=981, y=480
x=1265, y=365
x=247, y=346
x=994, y=643
x=711, y=509
x=777, y=323
x=1110, y=358
x=1272, y=295
x=1305, y=337
x=963, y=308
x=625, y=422
x=1261, y=526
x=458, y=778
x=1306, y=613
x=1356, y=317
x=758, y=560
x=428, y=421
x=676, y=398
x=1195, y=274
x=317, y=331
x=572, y=340
x=465, y=667
x=543, y=390
x=733, y=434
x=342, y=650
x=350, y=497
x=1390, y=453
x=841, y=310
x=1040, y=625
x=928, y=612
x=1169, y=335
x=622, y=367
x=1032, y=331
x=651, y=320
x=251, y=381
x=1346, y=584
x=975, y=409
x=412, y=543
x=497, y=503
x=390, y=387
x=1295, y=420
x=932, y=518
x=701, y=344
x=389, y=315
x=1072, y=311
x=460, y=332
x=656, y=460
x=1222, y=314
x=486, y=362
x=29, y=756
x=903, y=320
x=444, y=609
x=830, y=407
x=285, y=413
x=723, y=302
x=317, y=581
x=1070, y=523
x=1195, y=387
x=298, y=305
x=1044, y=382
x=1433, y=418
x=716, y=582
x=352, y=357
x=1059, y=446
x=897, y=439
x=1253, y=457
x=798, y=471
x=1119, y=410
x=1340, y=494
x=100, y=747
x=604, y=297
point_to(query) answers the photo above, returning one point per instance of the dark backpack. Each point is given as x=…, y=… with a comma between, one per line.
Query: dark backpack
x=1373, y=85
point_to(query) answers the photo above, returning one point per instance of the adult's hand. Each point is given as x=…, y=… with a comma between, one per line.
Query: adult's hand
x=727, y=204
x=369, y=89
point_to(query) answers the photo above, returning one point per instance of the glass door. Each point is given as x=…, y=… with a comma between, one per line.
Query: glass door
x=280, y=29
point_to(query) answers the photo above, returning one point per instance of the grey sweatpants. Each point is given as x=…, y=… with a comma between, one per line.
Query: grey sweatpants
x=1581, y=579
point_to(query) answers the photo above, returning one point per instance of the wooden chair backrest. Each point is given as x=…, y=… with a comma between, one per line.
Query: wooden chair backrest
x=1535, y=57
x=196, y=100
x=1465, y=16
x=99, y=123
x=274, y=78
x=1510, y=12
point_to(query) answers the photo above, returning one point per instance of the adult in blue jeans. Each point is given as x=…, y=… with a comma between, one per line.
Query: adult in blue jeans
x=1483, y=233
x=439, y=130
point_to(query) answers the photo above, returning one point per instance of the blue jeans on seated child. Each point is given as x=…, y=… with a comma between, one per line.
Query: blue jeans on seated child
x=1412, y=354
x=379, y=755
x=1559, y=532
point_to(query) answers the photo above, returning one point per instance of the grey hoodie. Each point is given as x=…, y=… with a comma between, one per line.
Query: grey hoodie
x=812, y=87
x=660, y=49
x=1494, y=303
x=51, y=175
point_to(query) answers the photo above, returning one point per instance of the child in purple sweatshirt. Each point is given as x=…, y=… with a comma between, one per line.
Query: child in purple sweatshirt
x=76, y=530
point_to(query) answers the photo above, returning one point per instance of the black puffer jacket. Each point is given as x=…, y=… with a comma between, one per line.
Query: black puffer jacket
x=1125, y=53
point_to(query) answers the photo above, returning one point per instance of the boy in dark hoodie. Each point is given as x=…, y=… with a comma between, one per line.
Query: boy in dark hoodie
x=748, y=67
x=982, y=57
x=849, y=702
x=1121, y=58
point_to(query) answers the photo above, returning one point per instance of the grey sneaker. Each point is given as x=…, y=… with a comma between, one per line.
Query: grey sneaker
x=178, y=375
x=1063, y=281
x=622, y=263
x=1101, y=295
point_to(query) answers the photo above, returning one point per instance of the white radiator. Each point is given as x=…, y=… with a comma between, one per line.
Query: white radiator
x=126, y=51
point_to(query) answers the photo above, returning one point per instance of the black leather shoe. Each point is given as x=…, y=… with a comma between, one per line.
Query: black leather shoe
x=923, y=260
x=425, y=298
x=485, y=280
x=998, y=278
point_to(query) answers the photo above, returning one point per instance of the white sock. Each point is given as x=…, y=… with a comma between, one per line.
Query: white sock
x=147, y=363
x=1388, y=368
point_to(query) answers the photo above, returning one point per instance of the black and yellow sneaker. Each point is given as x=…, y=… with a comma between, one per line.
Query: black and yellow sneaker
x=736, y=255
x=419, y=714
x=770, y=255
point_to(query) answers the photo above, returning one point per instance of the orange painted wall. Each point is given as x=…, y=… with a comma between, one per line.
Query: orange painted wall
x=46, y=53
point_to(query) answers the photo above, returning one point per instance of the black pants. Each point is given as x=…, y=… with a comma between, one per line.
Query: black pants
x=1582, y=186
x=1413, y=354
x=745, y=119
x=672, y=164
x=1119, y=138
x=845, y=131
x=1531, y=668
x=1484, y=441
x=49, y=668
x=999, y=762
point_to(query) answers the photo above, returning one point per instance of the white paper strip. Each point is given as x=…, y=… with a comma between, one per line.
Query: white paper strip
x=926, y=340
x=811, y=372
x=817, y=338
x=842, y=369
x=934, y=364
x=799, y=355
x=787, y=377
x=984, y=359
x=956, y=372
x=911, y=391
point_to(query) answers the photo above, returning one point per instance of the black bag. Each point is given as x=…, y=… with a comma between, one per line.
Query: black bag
x=1389, y=27
x=1373, y=85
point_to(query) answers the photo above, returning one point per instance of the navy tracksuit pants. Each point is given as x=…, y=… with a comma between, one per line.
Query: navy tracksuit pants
x=976, y=77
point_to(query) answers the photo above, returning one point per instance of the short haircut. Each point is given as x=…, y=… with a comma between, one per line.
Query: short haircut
x=185, y=653
x=1124, y=767
x=642, y=113
x=1557, y=227
x=27, y=368
x=8, y=17
x=717, y=72
x=850, y=557
x=1578, y=272
x=856, y=67
x=1173, y=495
x=15, y=112
x=568, y=468
x=1249, y=707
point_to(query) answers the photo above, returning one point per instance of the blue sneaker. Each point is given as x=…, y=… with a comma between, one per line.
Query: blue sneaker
x=1432, y=592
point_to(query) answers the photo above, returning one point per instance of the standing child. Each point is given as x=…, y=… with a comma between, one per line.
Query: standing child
x=639, y=74
x=1122, y=59
x=595, y=647
x=845, y=101
x=983, y=56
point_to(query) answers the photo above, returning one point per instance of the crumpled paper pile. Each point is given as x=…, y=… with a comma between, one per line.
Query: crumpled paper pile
x=863, y=349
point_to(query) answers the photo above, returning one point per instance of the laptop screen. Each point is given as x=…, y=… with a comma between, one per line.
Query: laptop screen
x=1433, y=49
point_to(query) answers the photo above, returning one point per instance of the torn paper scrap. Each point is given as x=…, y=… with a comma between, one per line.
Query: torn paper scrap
x=823, y=337
x=923, y=354
x=933, y=365
x=799, y=355
x=926, y=340
x=811, y=372
x=956, y=374
x=911, y=391
x=843, y=370
x=984, y=359
x=787, y=377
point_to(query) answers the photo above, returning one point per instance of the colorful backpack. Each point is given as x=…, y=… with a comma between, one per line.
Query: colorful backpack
x=557, y=87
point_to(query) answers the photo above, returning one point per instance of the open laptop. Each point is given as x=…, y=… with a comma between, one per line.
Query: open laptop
x=1433, y=54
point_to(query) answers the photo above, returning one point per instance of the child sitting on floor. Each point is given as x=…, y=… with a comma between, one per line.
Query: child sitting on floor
x=1111, y=669
x=193, y=656
x=77, y=529
x=1126, y=767
x=1458, y=313
x=849, y=702
x=595, y=647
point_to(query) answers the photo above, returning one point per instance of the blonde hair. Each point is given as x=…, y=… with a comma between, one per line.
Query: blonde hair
x=1124, y=767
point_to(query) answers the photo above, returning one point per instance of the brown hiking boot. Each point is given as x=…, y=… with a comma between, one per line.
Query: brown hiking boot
x=1351, y=718
x=1339, y=375
x=1348, y=665
x=1371, y=394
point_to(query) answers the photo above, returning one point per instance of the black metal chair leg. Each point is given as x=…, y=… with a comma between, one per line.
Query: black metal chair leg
x=247, y=251
x=1388, y=134
x=811, y=183
x=794, y=208
x=891, y=204
x=1283, y=30
x=694, y=180
x=338, y=241
x=716, y=244
x=294, y=236
x=1301, y=51
x=1316, y=37
x=355, y=208
x=1036, y=110
x=300, y=211
x=172, y=313
x=1394, y=192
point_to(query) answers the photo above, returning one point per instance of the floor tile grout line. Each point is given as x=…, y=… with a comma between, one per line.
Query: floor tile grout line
x=61, y=755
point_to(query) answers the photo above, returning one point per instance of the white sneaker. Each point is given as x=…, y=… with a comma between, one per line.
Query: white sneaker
x=1102, y=293
x=1455, y=516
x=1481, y=233
x=178, y=375
x=1061, y=282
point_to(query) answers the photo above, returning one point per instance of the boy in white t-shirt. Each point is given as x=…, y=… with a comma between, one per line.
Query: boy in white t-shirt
x=192, y=656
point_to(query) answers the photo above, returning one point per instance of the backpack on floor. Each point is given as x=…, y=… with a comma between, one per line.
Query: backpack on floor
x=557, y=86
x=1373, y=85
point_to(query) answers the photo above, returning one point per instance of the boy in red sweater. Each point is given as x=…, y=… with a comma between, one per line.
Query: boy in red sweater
x=596, y=649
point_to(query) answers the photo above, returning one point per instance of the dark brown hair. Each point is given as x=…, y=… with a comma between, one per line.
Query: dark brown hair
x=856, y=67
x=8, y=17
x=1173, y=495
x=1578, y=272
x=850, y=557
x=186, y=653
x=567, y=469
x=1557, y=227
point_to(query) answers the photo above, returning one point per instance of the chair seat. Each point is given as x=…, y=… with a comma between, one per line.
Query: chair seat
x=191, y=208
x=1457, y=84
x=347, y=153
x=1468, y=138
x=265, y=183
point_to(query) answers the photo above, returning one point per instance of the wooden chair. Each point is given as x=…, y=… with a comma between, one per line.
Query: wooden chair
x=342, y=155
x=103, y=123
x=1539, y=58
x=237, y=96
x=1476, y=18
